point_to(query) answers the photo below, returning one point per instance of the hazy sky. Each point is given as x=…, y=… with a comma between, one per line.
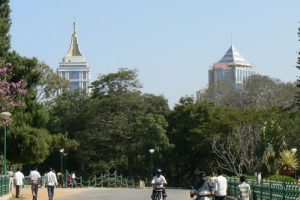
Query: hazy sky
x=172, y=43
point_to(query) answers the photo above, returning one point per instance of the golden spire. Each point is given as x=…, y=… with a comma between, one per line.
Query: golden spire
x=74, y=47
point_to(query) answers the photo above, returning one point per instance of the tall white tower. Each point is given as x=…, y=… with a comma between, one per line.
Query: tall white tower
x=74, y=67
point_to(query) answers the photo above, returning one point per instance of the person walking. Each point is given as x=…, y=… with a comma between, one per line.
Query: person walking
x=19, y=176
x=220, y=186
x=34, y=179
x=51, y=182
x=10, y=174
x=74, y=183
x=244, y=190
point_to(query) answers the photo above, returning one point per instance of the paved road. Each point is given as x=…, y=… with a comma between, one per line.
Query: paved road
x=124, y=194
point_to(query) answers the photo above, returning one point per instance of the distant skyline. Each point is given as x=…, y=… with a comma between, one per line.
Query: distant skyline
x=172, y=43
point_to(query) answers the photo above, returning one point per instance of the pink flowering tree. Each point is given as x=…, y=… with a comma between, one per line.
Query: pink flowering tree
x=10, y=92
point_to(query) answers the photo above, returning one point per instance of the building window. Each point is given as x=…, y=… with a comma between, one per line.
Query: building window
x=73, y=75
x=74, y=85
x=83, y=75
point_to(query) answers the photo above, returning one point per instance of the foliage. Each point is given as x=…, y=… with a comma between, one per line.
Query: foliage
x=5, y=23
x=257, y=93
x=269, y=159
x=297, y=92
x=114, y=126
x=288, y=159
x=10, y=91
x=29, y=141
x=32, y=141
x=281, y=178
x=189, y=131
x=240, y=149
x=49, y=83
x=122, y=82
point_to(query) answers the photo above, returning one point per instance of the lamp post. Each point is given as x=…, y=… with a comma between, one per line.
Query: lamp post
x=6, y=117
x=294, y=150
x=62, y=160
x=151, y=153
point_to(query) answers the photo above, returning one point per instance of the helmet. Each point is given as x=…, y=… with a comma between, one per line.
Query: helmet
x=158, y=171
x=202, y=174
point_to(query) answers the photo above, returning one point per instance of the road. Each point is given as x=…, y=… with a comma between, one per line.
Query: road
x=124, y=194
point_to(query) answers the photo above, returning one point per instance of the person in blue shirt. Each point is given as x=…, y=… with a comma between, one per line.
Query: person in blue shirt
x=203, y=189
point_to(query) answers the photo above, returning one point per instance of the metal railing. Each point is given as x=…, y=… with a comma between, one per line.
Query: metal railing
x=267, y=190
x=104, y=180
x=4, y=185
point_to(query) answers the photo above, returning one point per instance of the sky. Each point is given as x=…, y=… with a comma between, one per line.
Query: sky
x=172, y=43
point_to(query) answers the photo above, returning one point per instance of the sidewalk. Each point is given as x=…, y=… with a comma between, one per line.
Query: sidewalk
x=25, y=193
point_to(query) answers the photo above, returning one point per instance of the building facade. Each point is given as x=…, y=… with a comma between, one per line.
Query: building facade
x=74, y=66
x=232, y=69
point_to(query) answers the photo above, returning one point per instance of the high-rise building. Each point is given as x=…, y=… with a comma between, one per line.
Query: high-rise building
x=232, y=68
x=74, y=66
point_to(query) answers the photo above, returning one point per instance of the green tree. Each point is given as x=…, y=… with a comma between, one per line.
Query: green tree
x=5, y=23
x=188, y=131
x=112, y=124
x=297, y=96
x=28, y=131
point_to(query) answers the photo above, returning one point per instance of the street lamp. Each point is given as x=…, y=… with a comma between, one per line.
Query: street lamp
x=61, y=160
x=6, y=117
x=294, y=150
x=151, y=153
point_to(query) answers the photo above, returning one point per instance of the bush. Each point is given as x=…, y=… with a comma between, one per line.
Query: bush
x=281, y=178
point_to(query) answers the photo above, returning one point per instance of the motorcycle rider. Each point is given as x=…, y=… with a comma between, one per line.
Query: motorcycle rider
x=159, y=182
x=204, y=189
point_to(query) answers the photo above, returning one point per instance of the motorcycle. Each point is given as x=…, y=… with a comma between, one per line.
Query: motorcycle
x=196, y=194
x=158, y=194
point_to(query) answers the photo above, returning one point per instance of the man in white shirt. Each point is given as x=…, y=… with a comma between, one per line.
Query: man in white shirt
x=74, y=183
x=159, y=182
x=35, y=179
x=220, y=186
x=51, y=181
x=244, y=190
x=19, y=176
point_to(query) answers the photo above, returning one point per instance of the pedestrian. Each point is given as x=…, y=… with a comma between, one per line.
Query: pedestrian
x=220, y=186
x=244, y=190
x=51, y=183
x=19, y=176
x=204, y=189
x=34, y=179
x=11, y=179
x=74, y=183
x=70, y=180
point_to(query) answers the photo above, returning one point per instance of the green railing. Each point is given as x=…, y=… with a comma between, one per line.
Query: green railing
x=4, y=185
x=106, y=180
x=267, y=190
